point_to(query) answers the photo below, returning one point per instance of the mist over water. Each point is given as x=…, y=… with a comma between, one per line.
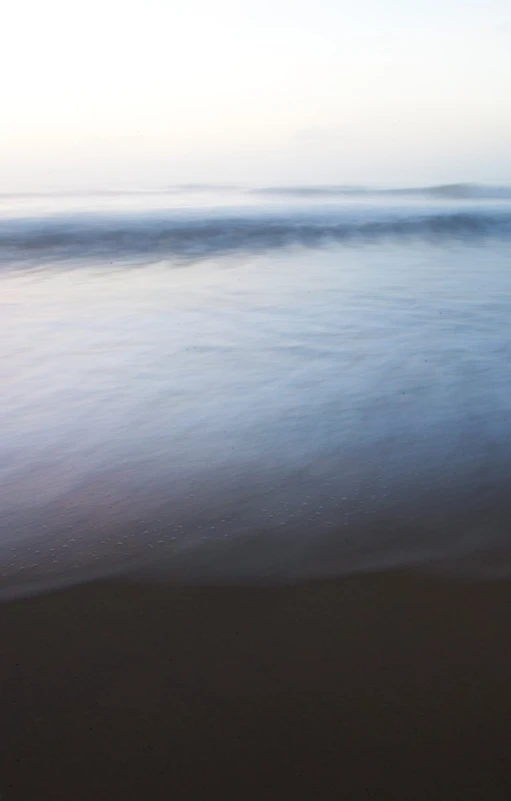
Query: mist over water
x=240, y=385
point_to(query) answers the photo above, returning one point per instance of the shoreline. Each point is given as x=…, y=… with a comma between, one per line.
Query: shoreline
x=383, y=685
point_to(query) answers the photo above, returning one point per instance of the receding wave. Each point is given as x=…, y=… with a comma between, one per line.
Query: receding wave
x=116, y=237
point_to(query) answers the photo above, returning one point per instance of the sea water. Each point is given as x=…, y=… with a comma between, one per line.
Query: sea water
x=218, y=384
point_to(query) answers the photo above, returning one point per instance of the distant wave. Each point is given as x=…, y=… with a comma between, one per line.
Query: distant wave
x=448, y=191
x=185, y=236
x=457, y=191
x=120, y=192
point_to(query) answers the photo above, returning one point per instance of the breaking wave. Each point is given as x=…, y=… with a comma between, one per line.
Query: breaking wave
x=181, y=235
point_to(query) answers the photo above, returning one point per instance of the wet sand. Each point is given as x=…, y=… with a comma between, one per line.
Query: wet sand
x=377, y=686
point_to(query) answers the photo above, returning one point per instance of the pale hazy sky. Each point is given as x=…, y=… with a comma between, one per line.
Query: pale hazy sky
x=152, y=92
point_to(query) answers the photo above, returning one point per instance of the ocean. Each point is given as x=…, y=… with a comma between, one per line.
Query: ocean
x=254, y=385
x=254, y=490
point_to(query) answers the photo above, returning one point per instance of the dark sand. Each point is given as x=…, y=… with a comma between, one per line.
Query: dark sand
x=381, y=686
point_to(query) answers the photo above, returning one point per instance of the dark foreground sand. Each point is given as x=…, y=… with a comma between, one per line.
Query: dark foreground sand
x=382, y=686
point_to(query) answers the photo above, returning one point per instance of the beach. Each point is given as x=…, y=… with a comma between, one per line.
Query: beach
x=255, y=401
x=375, y=686
x=254, y=501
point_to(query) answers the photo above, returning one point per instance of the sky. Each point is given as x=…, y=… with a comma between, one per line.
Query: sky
x=147, y=93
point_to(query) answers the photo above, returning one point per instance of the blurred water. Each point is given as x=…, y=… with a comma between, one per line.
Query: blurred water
x=256, y=413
